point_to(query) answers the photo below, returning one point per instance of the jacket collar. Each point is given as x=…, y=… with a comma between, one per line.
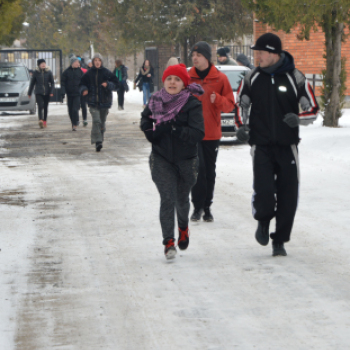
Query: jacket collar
x=213, y=73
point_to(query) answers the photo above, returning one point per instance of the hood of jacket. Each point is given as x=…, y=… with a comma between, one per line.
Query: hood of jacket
x=46, y=69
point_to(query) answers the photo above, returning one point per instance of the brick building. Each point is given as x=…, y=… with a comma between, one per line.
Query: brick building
x=308, y=55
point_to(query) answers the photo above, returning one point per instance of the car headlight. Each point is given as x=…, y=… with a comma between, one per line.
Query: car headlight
x=25, y=91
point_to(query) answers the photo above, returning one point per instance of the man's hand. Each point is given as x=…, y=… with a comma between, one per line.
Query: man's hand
x=148, y=75
x=242, y=134
x=291, y=119
x=212, y=97
x=51, y=95
x=85, y=92
x=104, y=84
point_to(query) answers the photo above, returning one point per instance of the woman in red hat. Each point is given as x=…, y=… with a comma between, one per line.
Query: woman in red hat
x=173, y=123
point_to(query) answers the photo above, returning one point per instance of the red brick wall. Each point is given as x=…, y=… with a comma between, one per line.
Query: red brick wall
x=308, y=55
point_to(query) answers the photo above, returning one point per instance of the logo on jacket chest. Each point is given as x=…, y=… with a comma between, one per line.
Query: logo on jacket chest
x=282, y=88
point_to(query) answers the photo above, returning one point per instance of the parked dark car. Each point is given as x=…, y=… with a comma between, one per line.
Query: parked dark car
x=14, y=84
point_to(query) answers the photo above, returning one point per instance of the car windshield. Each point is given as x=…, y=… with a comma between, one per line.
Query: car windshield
x=235, y=77
x=13, y=74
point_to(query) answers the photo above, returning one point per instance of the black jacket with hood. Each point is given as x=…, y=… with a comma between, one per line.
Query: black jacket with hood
x=70, y=81
x=99, y=96
x=269, y=96
x=43, y=81
x=173, y=147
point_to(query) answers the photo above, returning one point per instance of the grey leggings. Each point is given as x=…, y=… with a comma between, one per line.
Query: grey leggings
x=174, y=182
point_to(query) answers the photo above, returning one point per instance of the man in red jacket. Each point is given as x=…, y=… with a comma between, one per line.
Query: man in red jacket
x=217, y=98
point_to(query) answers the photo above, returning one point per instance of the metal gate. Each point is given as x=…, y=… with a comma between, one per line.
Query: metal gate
x=53, y=59
x=235, y=50
x=151, y=54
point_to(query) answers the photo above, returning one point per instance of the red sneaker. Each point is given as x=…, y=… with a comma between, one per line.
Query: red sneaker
x=184, y=239
x=44, y=122
x=170, y=250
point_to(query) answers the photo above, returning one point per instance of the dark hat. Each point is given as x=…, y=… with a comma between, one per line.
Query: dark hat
x=40, y=61
x=223, y=51
x=268, y=42
x=203, y=48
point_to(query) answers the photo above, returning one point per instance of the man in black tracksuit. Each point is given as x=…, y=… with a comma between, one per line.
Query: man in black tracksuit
x=273, y=92
x=71, y=78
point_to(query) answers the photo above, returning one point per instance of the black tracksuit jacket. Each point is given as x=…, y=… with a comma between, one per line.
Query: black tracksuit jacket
x=43, y=81
x=271, y=97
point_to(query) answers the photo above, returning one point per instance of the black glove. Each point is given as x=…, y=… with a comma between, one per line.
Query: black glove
x=149, y=135
x=176, y=130
x=242, y=133
x=161, y=129
x=291, y=119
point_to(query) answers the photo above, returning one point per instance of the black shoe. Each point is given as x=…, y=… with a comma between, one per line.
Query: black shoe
x=98, y=146
x=170, y=250
x=262, y=232
x=196, y=216
x=208, y=217
x=278, y=249
x=184, y=239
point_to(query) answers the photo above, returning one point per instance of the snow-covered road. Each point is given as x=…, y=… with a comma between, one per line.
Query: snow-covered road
x=82, y=265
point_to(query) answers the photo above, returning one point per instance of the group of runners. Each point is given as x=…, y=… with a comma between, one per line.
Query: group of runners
x=182, y=121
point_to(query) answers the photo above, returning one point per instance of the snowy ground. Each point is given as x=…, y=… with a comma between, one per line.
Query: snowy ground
x=82, y=265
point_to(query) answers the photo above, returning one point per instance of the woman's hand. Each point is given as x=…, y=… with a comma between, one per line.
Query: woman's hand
x=148, y=75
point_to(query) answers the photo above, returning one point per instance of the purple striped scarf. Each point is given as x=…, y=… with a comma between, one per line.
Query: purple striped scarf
x=166, y=107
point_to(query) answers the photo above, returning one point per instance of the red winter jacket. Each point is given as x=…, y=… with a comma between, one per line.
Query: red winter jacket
x=216, y=82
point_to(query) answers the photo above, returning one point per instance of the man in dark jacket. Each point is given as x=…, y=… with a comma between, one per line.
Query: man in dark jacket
x=44, y=84
x=70, y=86
x=269, y=96
x=98, y=84
x=242, y=60
x=223, y=57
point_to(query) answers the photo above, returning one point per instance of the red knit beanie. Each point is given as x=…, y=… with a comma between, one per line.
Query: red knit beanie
x=180, y=71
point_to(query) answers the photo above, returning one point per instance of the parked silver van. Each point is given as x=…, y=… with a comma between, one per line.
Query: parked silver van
x=14, y=84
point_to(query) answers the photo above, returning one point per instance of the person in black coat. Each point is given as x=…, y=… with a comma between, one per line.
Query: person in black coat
x=98, y=84
x=121, y=72
x=70, y=86
x=145, y=81
x=173, y=123
x=44, y=84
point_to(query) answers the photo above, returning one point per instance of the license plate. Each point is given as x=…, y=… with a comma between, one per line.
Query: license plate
x=8, y=99
x=228, y=122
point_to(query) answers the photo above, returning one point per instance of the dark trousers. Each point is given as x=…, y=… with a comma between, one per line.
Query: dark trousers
x=174, y=183
x=83, y=106
x=276, y=187
x=73, y=104
x=121, y=93
x=203, y=190
x=43, y=103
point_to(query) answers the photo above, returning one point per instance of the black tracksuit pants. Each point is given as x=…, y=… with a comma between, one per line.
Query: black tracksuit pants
x=73, y=104
x=174, y=182
x=43, y=103
x=276, y=187
x=203, y=190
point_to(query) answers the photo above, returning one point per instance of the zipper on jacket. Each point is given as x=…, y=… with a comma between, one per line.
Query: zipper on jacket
x=44, y=81
x=273, y=116
x=97, y=86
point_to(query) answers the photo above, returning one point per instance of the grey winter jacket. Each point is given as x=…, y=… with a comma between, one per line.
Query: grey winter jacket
x=244, y=60
x=228, y=62
x=43, y=81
